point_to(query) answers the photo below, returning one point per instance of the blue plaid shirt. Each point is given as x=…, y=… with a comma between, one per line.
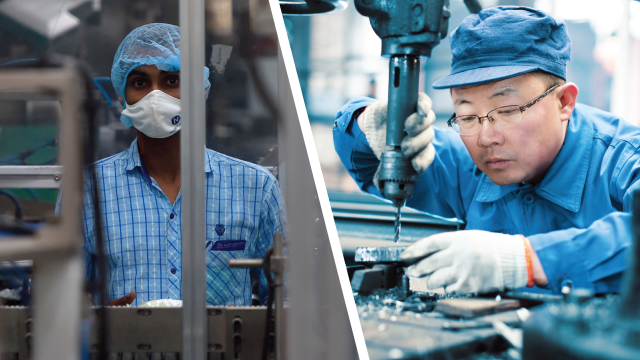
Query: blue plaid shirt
x=143, y=229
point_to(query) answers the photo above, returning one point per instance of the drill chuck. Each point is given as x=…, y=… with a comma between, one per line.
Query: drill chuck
x=398, y=176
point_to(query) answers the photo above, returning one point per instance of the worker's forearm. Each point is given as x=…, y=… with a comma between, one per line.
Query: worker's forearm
x=539, y=277
x=361, y=121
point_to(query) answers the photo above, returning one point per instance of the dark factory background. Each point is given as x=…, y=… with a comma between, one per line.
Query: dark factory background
x=241, y=53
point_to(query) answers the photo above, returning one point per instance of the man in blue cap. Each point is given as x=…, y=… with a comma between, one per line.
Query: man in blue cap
x=140, y=198
x=544, y=184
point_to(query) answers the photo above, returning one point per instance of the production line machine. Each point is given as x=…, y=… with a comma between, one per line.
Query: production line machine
x=403, y=320
x=47, y=327
x=400, y=317
x=149, y=333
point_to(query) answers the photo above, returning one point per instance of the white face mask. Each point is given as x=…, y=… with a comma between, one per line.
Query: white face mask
x=156, y=115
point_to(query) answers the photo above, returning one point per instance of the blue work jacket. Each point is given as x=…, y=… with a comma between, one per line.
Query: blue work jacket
x=578, y=218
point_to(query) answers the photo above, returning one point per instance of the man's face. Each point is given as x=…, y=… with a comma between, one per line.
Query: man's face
x=144, y=79
x=525, y=151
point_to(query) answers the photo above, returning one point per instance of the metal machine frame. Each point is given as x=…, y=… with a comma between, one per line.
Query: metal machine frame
x=312, y=285
x=55, y=249
x=30, y=176
x=233, y=332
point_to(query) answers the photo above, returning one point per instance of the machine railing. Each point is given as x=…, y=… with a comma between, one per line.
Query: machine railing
x=30, y=176
x=55, y=248
x=235, y=332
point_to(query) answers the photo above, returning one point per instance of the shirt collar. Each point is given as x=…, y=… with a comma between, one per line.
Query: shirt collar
x=133, y=159
x=564, y=183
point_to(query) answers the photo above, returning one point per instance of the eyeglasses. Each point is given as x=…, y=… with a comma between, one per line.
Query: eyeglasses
x=502, y=117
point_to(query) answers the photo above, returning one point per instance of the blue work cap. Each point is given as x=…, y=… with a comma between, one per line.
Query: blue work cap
x=506, y=41
x=151, y=44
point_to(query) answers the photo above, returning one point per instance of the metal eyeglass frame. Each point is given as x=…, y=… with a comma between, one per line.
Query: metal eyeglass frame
x=492, y=121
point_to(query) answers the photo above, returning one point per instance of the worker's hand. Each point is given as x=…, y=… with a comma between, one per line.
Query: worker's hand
x=123, y=301
x=470, y=261
x=416, y=145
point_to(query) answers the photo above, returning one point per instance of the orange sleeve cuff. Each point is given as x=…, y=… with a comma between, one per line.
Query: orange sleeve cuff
x=365, y=109
x=527, y=253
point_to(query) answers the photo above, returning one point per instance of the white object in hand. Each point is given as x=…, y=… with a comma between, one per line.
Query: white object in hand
x=470, y=261
x=163, y=303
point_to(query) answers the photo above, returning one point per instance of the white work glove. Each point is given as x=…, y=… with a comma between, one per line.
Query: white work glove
x=470, y=261
x=416, y=145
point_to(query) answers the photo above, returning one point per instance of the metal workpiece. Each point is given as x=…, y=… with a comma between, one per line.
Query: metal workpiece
x=382, y=254
x=365, y=281
x=385, y=255
x=474, y=307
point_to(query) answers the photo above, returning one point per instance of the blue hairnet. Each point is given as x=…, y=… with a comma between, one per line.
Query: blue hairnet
x=152, y=44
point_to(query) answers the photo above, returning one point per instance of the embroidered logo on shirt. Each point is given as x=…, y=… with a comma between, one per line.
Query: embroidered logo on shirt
x=175, y=120
x=227, y=245
x=219, y=229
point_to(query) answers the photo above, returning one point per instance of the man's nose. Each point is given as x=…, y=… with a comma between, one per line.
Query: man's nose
x=489, y=134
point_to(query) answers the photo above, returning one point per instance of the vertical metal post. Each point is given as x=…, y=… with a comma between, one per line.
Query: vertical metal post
x=55, y=249
x=317, y=314
x=192, y=145
x=278, y=279
x=57, y=305
x=57, y=280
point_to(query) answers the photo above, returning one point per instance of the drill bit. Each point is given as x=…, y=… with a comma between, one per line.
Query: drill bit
x=397, y=224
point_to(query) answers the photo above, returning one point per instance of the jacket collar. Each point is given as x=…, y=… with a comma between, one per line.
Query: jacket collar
x=564, y=183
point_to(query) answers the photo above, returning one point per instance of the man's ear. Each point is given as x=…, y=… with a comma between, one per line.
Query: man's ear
x=568, y=94
x=120, y=100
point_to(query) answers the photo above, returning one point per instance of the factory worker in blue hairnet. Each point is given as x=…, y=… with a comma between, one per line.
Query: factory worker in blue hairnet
x=139, y=190
x=544, y=184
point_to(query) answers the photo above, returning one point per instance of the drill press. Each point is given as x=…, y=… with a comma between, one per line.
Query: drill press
x=409, y=30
